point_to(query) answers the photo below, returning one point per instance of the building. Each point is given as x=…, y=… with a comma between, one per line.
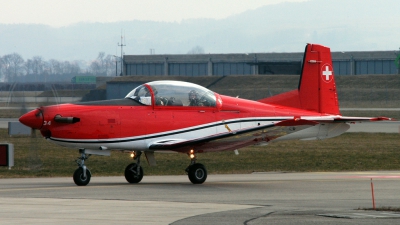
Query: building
x=344, y=63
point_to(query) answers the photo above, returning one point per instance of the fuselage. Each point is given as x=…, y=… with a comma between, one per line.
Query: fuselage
x=143, y=118
x=134, y=126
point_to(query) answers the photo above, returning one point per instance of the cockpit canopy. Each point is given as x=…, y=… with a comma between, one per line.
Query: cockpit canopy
x=173, y=93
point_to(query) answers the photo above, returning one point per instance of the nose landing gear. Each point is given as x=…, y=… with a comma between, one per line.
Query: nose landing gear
x=82, y=175
x=197, y=172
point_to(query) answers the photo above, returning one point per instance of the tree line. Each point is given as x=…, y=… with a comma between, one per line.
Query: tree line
x=14, y=68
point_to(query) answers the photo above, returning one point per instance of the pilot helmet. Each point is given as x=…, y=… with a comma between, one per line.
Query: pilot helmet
x=193, y=95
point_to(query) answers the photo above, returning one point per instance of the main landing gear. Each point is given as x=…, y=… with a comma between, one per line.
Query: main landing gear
x=82, y=175
x=134, y=172
x=196, y=172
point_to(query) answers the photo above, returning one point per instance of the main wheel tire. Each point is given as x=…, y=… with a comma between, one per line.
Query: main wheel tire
x=79, y=179
x=131, y=173
x=197, y=173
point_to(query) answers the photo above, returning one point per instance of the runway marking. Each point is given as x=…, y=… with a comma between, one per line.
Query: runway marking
x=66, y=187
x=376, y=177
x=361, y=175
x=364, y=215
x=368, y=215
x=384, y=177
x=88, y=211
x=379, y=215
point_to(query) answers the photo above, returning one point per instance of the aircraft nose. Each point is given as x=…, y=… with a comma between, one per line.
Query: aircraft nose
x=33, y=119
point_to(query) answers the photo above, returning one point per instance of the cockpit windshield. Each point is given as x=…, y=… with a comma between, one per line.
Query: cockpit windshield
x=174, y=93
x=140, y=94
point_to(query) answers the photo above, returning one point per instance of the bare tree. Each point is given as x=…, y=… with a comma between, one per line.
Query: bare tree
x=103, y=65
x=74, y=68
x=38, y=65
x=70, y=68
x=55, y=66
x=13, y=66
x=196, y=50
x=95, y=67
x=29, y=66
x=100, y=59
x=109, y=65
x=80, y=63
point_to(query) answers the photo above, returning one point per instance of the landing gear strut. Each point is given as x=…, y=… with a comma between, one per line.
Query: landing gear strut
x=197, y=172
x=82, y=175
x=134, y=172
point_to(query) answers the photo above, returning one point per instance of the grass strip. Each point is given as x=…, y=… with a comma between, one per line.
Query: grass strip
x=348, y=152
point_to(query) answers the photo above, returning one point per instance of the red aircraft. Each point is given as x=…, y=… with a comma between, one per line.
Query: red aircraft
x=173, y=116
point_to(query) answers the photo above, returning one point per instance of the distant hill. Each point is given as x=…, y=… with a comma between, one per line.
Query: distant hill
x=343, y=25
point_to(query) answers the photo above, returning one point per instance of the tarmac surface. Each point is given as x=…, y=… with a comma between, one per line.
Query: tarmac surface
x=250, y=199
x=258, y=198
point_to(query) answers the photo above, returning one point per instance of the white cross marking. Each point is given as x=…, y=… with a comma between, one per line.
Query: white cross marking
x=327, y=73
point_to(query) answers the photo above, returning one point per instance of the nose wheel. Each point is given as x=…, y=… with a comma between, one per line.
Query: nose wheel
x=82, y=175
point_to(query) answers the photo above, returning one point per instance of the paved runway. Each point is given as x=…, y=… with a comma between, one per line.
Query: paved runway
x=260, y=198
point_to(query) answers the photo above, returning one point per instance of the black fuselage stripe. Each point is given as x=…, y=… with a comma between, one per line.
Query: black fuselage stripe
x=162, y=135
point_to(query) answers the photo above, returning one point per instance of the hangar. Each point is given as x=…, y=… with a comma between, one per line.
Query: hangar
x=344, y=63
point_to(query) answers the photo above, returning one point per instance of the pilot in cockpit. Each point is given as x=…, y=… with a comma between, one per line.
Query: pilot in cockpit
x=194, y=99
x=159, y=100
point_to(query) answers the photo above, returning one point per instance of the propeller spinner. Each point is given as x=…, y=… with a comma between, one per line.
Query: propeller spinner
x=33, y=119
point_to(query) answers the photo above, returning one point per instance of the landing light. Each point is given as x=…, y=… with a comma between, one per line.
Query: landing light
x=191, y=154
x=133, y=154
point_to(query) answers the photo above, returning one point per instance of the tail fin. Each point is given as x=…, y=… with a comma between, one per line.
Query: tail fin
x=317, y=87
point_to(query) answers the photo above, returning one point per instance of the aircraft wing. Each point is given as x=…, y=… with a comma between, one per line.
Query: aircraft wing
x=235, y=139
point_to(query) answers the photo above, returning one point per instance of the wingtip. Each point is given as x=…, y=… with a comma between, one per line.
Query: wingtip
x=382, y=118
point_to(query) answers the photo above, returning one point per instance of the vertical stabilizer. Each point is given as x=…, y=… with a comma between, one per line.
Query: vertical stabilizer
x=317, y=87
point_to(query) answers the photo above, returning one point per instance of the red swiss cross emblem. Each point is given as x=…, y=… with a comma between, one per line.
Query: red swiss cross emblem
x=327, y=73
